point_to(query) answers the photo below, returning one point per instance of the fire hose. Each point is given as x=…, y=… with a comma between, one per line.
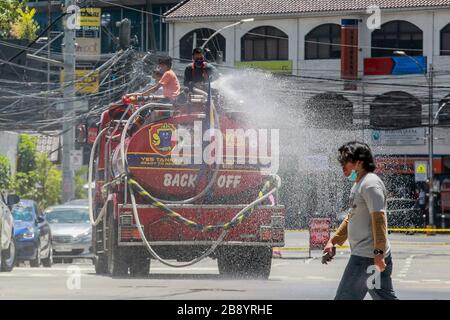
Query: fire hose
x=122, y=150
x=124, y=160
x=238, y=218
x=91, y=167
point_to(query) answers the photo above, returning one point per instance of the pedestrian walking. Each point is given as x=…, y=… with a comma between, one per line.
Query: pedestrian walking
x=365, y=226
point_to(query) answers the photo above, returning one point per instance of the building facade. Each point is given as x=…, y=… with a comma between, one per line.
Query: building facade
x=145, y=15
x=374, y=80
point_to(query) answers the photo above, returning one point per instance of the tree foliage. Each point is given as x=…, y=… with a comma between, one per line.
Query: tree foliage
x=37, y=177
x=24, y=27
x=48, y=180
x=80, y=181
x=8, y=15
x=26, y=161
x=5, y=172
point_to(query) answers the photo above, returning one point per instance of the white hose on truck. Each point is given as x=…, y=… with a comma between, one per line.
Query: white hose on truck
x=215, y=244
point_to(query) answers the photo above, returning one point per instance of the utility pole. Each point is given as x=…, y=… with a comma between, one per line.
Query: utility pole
x=49, y=32
x=430, y=82
x=68, y=188
x=431, y=146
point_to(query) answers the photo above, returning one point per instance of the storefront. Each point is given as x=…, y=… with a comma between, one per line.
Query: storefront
x=399, y=175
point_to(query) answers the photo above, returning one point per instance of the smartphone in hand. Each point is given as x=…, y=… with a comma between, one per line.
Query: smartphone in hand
x=327, y=257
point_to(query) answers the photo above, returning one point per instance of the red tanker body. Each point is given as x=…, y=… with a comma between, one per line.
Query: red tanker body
x=192, y=177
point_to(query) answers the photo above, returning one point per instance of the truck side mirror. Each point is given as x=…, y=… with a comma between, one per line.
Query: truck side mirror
x=12, y=199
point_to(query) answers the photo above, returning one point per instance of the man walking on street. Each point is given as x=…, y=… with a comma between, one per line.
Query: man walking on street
x=370, y=266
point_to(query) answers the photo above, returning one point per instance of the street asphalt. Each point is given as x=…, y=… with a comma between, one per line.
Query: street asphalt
x=421, y=265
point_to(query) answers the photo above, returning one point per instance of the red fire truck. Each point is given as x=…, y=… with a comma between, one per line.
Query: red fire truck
x=148, y=204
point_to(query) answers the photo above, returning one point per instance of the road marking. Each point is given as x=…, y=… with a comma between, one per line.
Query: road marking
x=405, y=269
x=304, y=248
x=413, y=244
x=432, y=280
x=418, y=230
x=53, y=269
x=280, y=278
x=315, y=278
x=279, y=264
x=186, y=269
x=408, y=281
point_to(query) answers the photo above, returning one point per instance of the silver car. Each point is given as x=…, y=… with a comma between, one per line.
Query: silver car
x=71, y=232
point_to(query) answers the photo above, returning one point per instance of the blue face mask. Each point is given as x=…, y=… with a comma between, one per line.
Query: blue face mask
x=353, y=176
x=199, y=62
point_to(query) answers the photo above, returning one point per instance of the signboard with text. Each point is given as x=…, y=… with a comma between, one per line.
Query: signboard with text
x=421, y=171
x=411, y=136
x=90, y=17
x=406, y=165
x=88, y=49
x=319, y=233
x=349, y=52
x=85, y=81
x=273, y=66
x=395, y=66
x=76, y=159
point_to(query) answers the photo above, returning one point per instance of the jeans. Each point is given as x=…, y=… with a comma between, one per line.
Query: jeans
x=358, y=280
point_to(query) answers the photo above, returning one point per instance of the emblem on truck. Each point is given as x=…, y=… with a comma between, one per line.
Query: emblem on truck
x=161, y=138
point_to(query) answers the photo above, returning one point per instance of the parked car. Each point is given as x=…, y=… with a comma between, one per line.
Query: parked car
x=71, y=232
x=7, y=241
x=78, y=202
x=32, y=234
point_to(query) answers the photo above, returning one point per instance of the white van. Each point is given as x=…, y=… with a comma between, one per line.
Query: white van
x=7, y=241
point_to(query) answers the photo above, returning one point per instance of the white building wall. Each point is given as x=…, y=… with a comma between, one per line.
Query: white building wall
x=430, y=22
x=9, y=142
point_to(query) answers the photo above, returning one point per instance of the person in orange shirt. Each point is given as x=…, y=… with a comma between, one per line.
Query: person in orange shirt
x=169, y=82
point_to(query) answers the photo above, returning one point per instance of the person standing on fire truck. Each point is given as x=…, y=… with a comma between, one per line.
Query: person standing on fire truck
x=199, y=71
x=169, y=82
x=365, y=227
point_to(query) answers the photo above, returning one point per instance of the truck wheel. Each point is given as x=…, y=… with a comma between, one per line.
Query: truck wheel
x=117, y=265
x=140, y=264
x=260, y=262
x=245, y=262
x=36, y=263
x=230, y=263
x=226, y=266
x=8, y=257
x=48, y=262
x=101, y=264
